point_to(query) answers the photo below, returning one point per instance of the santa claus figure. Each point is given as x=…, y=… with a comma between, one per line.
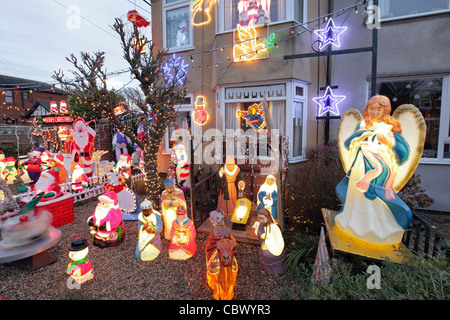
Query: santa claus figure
x=124, y=166
x=106, y=224
x=79, y=179
x=48, y=184
x=257, y=11
x=82, y=145
x=120, y=143
x=179, y=158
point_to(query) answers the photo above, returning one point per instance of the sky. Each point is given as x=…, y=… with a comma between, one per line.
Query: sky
x=36, y=36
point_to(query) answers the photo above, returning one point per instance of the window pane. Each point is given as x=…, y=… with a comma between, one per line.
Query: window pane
x=424, y=94
x=297, y=129
x=178, y=27
x=398, y=8
x=447, y=151
x=258, y=11
x=9, y=97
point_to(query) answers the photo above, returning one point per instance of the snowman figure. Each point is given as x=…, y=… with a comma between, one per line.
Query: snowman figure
x=80, y=269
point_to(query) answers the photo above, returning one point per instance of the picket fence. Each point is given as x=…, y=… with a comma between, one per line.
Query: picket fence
x=94, y=188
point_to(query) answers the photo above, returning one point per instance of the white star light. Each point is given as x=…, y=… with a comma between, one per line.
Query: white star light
x=328, y=102
x=330, y=34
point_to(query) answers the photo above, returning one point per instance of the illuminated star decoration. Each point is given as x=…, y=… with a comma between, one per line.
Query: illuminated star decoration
x=328, y=102
x=175, y=71
x=330, y=34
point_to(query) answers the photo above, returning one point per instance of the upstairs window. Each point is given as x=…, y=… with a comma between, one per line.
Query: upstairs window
x=177, y=25
x=407, y=8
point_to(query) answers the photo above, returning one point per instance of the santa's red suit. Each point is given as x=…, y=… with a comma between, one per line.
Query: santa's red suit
x=82, y=144
x=47, y=183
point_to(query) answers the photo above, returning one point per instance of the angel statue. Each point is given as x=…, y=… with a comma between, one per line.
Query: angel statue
x=379, y=154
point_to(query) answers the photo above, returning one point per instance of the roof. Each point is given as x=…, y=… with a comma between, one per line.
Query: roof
x=44, y=103
x=10, y=82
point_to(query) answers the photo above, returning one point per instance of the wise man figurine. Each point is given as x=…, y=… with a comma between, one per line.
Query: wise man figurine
x=171, y=198
x=182, y=236
x=230, y=178
x=150, y=227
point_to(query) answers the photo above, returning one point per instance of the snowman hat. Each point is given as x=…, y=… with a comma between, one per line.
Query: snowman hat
x=78, y=244
x=111, y=198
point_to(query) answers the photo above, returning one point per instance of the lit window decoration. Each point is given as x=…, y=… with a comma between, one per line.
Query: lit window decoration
x=254, y=116
x=175, y=71
x=256, y=12
x=53, y=107
x=199, y=6
x=201, y=114
x=63, y=107
x=328, y=102
x=248, y=47
x=330, y=34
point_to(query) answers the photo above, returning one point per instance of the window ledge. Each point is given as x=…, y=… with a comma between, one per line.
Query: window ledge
x=181, y=49
x=419, y=15
x=429, y=161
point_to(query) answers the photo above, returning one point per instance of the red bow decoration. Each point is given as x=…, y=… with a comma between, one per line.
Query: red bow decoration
x=137, y=19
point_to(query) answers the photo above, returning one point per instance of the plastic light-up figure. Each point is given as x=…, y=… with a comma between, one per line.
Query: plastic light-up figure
x=330, y=34
x=379, y=153
x=328, y=102
x=80, y=269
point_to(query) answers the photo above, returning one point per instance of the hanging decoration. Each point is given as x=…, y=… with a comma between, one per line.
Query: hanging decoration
x=201, y=113
x=53, y=107
x=249, y=46
x=328, y=102
x=134, y=17
x=254, y=116
x=201, y=11
x=63, y=107
x=139, y=44
x=330, y=34
x=175, y=71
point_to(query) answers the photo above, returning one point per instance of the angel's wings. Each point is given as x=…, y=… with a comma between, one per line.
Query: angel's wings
x=413, y=130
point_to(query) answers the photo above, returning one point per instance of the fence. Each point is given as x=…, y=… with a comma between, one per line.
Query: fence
x=94, y=188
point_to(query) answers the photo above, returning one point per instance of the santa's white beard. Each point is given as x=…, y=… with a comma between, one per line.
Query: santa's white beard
x=101, y=212
x=81, y=139
x=77, y=173
x=42, y=185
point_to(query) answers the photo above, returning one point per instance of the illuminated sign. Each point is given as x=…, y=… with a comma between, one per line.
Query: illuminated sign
x=330, y=34
x=328, y=102
x=57, y=119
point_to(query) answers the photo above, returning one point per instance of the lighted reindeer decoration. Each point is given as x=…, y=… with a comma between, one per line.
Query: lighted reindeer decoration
x=221, y=263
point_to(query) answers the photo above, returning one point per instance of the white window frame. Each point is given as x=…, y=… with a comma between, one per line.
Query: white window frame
x=289, y=99
x=171, y=6
x=424, y=14
x=220, y=16
x=444, y=120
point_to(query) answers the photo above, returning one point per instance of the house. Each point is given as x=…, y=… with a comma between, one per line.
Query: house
x=231, y=67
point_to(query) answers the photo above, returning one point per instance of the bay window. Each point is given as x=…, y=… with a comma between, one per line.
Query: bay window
x=431, y=95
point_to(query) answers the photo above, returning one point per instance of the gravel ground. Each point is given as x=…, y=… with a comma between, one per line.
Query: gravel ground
x=118, y=275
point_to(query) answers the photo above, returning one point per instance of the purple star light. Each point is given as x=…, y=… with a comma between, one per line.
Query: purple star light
x=328, y=102
x=330, y=34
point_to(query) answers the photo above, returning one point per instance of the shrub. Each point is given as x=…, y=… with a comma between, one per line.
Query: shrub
x=311, y=187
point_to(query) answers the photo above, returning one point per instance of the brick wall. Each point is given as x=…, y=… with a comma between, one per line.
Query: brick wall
x=61, y=208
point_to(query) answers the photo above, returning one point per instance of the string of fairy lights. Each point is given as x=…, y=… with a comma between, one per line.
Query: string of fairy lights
x=31, y=86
